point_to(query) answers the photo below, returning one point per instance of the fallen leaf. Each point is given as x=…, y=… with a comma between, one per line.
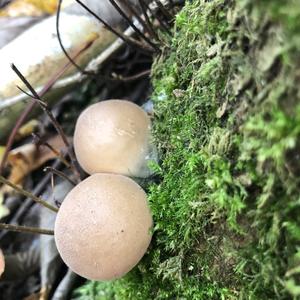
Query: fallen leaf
x=48, y=6
x=44, y=153
x=19, y=8
x=21, y=161
x=28, y=158
x=27, y=129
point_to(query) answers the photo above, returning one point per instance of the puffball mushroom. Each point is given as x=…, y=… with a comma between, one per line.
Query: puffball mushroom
x=2, y=263
x=102, y=229
x=113, y=136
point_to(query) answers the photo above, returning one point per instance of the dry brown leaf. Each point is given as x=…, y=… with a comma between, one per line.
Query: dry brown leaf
x=44, y=153
x=28, y=158
x=21, y=161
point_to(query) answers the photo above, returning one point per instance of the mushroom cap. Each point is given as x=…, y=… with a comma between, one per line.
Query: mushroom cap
x=102, y=229
x=2, y=263
x=113, y=137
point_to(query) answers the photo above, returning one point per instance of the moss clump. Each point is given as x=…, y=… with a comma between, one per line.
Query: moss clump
x=227, y=127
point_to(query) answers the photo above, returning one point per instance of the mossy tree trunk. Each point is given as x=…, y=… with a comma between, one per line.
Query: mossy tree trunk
x=227, y=127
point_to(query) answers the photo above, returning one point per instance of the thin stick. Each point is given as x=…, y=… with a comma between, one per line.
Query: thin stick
x=60, y=174
x=61, y=44
x=25, y=229
x=172, y=4
x=145, y=24
x=147, y=19
x=56, y=125
x=38, y=139
x=128, y=40
x=28, y=194
x=163, y=10
x=31, y=105
x=17, y=217
x=164, y=25
x=135, y=77
x=121, y=12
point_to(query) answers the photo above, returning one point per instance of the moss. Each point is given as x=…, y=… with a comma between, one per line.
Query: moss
x=227, y=115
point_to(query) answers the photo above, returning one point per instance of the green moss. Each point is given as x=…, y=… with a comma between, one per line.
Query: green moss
x=227, y=126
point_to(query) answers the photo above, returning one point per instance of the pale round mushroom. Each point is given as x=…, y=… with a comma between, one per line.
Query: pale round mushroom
x=114, y=136
x=2, y=263
x=103, y=227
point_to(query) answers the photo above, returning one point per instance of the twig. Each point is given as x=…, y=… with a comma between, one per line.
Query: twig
x=31, y=105
x=28, y=194
x=163, y=10
x=147, y=19
x=52, y=182
x=61, y=44
x=172, y=4
x=17, y=217
x=147, y=26
x=56, y=125
x=38, y=139
x=121, y=12
x=164, y=25
x=25, y=229
x=59, y=173
x=130, y=41
x=133, y=77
